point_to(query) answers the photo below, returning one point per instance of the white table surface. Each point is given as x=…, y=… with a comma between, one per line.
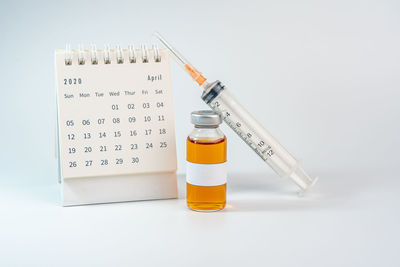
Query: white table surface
x=350, y=219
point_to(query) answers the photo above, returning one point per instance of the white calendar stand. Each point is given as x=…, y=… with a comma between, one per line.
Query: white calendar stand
x=116, y=139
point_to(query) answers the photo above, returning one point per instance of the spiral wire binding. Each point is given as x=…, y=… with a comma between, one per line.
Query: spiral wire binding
x=145, y=56
x=81, y=57
x=93, y=54
x=68, y=55
x=120, y=59
x=157, y=57
x=107, y=56
x=132, y=54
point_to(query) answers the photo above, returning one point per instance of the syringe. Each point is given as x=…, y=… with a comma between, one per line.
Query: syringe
x=247, y=128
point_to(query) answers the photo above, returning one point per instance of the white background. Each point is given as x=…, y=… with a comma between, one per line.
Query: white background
x=322, y=76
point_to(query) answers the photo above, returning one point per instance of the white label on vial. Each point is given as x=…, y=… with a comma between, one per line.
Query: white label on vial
x=206, y=174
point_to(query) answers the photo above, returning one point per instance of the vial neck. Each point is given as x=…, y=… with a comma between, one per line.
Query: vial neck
x=206, y=126
x=206, y=133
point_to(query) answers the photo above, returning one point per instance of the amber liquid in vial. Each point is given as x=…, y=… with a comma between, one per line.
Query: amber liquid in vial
x=206, y=198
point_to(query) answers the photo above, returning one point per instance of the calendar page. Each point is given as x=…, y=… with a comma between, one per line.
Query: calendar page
x=114, y=116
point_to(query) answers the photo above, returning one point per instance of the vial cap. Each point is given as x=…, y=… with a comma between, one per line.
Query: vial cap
x=206, y=118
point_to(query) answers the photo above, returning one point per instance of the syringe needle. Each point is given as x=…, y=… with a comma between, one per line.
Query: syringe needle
x=192, y=71
x=178, y=57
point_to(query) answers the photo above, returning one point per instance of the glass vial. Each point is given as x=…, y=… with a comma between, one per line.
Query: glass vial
x=206, y=163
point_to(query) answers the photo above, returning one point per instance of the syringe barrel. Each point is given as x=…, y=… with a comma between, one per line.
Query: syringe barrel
x=255, y=135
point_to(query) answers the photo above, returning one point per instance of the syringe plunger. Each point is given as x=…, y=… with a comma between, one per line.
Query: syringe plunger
x=255, y=135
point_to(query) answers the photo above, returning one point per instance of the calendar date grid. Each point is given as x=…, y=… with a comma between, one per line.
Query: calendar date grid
x=100, y=135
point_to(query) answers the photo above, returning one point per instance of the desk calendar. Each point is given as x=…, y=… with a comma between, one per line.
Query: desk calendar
x=116, y=139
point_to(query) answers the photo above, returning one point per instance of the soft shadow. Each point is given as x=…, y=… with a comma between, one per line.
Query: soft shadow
x=263, y=192
x=181, y=186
